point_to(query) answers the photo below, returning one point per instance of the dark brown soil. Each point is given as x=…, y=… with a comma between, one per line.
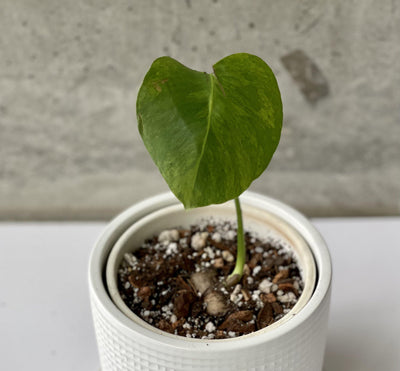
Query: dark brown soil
x=176, y=282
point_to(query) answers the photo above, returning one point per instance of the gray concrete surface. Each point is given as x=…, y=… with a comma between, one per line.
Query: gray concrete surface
x=70, y=71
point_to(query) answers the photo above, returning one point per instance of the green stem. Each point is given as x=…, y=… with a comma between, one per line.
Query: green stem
x=237, y=273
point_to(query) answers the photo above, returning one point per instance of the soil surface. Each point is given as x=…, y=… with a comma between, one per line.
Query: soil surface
x=176, y=282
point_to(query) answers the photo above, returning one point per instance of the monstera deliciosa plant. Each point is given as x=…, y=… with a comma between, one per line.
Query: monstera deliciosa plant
x=211, y=134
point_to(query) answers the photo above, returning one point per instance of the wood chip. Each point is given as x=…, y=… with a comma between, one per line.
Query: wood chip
x=238, y=322
x=182, y=284
x=164, y=325
x=265, y=316
x=182, y=303
x=281, y=275
x=268, y=298
x=144, y=292
x=278, y=309
x=288, y=287
x=134, y=281
x=257, y=258
x=246, y=270
x=246, y=294
x=178, y=323
x=243, y=315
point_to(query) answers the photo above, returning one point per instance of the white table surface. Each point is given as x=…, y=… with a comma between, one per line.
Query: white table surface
x=45, y=321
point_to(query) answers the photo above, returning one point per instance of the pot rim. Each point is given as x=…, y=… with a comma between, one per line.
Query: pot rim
x=123, y=221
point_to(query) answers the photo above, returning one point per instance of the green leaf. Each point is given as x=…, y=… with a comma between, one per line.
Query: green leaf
x=210, y=135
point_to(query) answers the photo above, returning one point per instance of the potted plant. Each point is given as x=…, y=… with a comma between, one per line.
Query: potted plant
x=211, y=135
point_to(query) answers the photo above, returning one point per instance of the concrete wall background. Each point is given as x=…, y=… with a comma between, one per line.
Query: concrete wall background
x=70, y=72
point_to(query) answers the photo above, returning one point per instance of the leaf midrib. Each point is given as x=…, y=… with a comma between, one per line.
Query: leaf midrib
x=210, y=108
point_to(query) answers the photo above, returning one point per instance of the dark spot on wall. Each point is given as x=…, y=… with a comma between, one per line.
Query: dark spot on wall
x=251, y=25
x=310, y=26
x=177, y=36
x=33, y=57
x=194, y=48
x=165, y=49
x=24, y=23
x=188, y=3
x=56, y=53
x=129, y=8
x=201, y=19
x=307, y=75
x=79, y=25
x=215, y=1
x=77, y=38
x=31, y=76
x=211, y=32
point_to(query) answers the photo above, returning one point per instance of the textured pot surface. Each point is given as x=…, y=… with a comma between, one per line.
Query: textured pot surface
x=297, y=344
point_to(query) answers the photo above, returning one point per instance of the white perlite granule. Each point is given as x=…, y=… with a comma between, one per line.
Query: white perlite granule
x=199, y=240
x=259, y=249
x=130, y=259
x=230, y=235
x=172, y=249
x=209, y=251
x=287, y=298
x=227, y=256
x=255, y=295
x=168, y=235
x=265, y=286
x=235, y=296
x=210, y=327
x=237, y=289
x=216, y=237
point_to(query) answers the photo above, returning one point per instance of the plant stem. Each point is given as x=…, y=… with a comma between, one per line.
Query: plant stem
x=237, y=273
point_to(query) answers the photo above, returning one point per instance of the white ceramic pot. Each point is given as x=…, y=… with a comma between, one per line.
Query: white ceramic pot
x=126, y=342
